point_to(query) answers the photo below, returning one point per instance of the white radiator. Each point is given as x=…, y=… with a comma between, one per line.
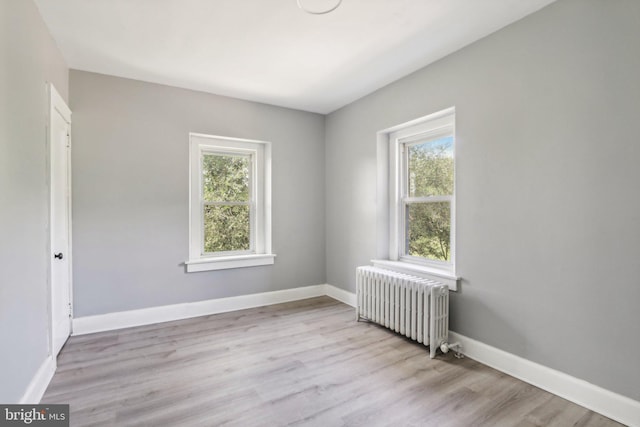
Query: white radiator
x=411, y=306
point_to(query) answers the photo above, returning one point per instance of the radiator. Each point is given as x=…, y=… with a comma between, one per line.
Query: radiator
x=411, y=306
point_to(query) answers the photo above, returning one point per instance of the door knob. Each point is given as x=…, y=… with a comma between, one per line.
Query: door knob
x=58, y=256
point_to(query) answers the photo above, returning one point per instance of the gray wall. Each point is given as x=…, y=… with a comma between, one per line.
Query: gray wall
x=548, y=211
x=28, y=58
x=130, y=193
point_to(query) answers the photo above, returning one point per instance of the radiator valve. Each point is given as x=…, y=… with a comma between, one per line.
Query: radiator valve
x=456, y=347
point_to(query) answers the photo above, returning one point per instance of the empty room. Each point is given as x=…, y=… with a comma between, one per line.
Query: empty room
x=320, y=213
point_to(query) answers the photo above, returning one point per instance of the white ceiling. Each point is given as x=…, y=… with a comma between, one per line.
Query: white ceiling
x=269, y=50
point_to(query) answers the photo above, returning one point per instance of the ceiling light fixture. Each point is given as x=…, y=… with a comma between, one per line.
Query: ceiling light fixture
x=319, y=12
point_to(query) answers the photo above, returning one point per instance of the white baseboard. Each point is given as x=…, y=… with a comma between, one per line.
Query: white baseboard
x=39, y=382
x=167, y=313
x=340, y=294
x=593, y=397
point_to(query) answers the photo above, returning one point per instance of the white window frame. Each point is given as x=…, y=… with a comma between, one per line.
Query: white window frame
x=259, y=152
x=394, y=141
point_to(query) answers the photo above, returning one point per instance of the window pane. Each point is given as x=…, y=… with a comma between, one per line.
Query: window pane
x=226, y=228
x=225, y=178
x=429, y=230
x=431, y=168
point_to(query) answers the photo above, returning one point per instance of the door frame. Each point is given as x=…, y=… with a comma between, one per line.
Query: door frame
x=57, y=105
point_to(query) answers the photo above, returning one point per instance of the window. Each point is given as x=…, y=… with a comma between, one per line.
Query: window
x=422, y=192
x=229, y=203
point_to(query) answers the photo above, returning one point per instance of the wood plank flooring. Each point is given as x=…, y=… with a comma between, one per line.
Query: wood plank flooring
x=305, y=363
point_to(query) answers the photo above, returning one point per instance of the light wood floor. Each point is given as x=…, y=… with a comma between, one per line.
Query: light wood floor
x=301, y=363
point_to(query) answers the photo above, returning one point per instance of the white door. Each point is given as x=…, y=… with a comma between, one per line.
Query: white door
x=59, y=141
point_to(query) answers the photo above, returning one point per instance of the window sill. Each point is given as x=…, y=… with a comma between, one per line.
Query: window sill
x=432, y=273
x=226, y=262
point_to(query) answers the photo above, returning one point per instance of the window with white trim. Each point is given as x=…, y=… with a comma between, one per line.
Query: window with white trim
x=230, y=203
x=422, y=192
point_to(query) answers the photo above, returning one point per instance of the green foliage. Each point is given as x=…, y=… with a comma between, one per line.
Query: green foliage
x=429, y=230
x=431, y=168
x=225, y=180
x=226, y=228
x=430, y=173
